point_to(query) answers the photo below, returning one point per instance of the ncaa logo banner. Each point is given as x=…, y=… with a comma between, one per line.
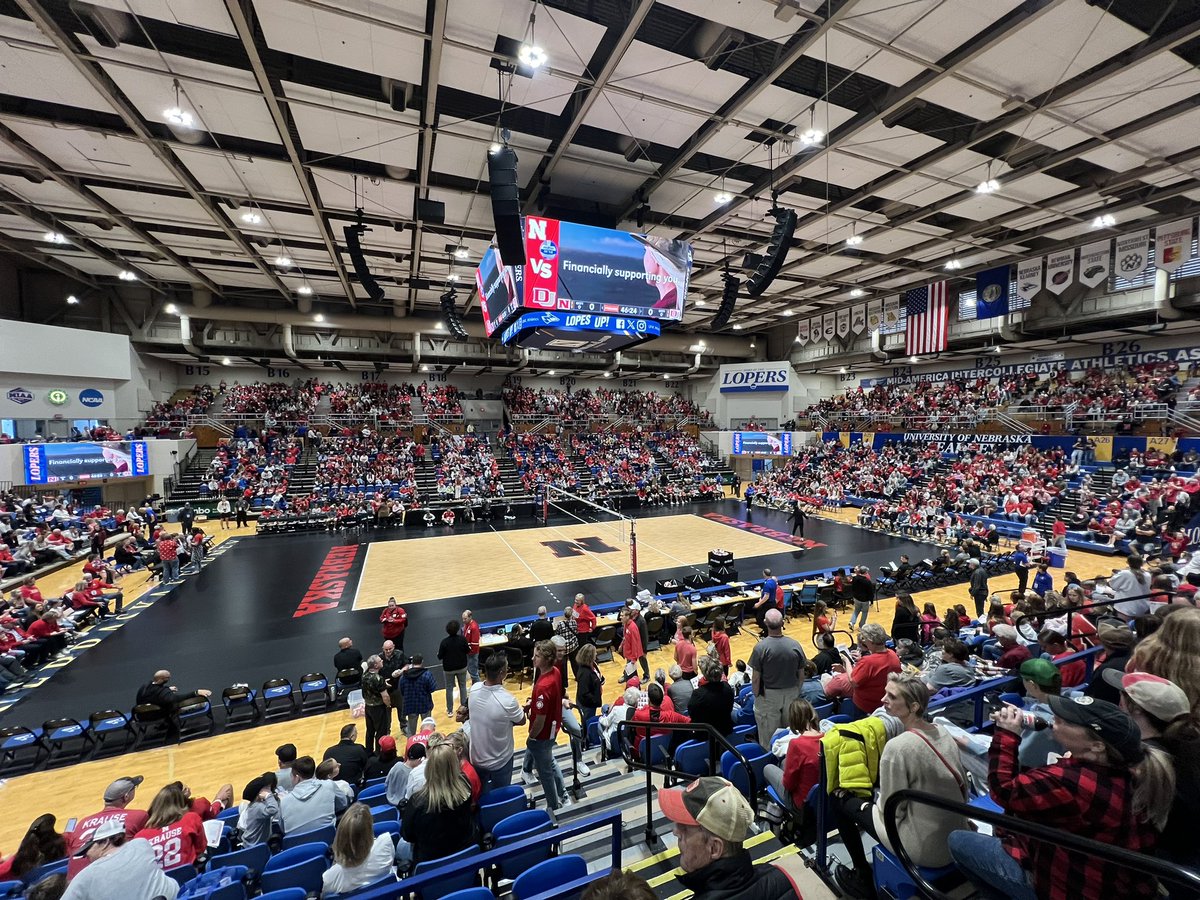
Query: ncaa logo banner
x=91, y=398
x=20, y=395
x=761, y=378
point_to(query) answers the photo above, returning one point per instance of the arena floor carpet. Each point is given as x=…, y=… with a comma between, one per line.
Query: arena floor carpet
x=276, y=606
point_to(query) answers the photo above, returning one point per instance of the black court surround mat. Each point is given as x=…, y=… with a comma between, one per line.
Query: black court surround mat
x=237, y=621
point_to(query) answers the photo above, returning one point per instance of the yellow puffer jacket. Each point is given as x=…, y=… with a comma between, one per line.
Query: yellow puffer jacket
x=852, y=754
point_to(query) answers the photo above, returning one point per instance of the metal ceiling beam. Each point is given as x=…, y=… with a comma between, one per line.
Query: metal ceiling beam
x=245, y=21
x=1027, y=12
x=100, y=81
x=584, y=98
x=48, y=169
x=21, y=248
x=790, y=53
x=435, y=18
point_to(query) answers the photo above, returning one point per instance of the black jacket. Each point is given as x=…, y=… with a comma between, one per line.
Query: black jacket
x=713, y=704
x=436, y=834
x=453, y=653
x=350, y=658
x=862, y=589
x=352, y=758
x=541, y=630
x=737, y=878
x=905, y=624
x=162, y=695
x=588, y=689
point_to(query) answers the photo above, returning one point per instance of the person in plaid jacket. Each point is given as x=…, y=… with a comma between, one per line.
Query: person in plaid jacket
x=1110, y=788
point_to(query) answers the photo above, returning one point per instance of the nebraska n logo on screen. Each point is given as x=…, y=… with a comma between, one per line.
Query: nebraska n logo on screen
x=541, y=262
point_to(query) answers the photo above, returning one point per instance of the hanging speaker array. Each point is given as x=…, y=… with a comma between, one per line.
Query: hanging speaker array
x=354, y=248
x=450, y=315
x=506, y=205
x=728, y=301
x=781, y=241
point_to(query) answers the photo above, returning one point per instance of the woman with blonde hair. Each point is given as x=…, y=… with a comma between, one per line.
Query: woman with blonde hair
x=1173, y=652
x=175, y=832
x=438, y=820
x=359, y=857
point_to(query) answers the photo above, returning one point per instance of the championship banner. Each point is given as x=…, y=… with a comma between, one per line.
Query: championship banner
x=802, y=331
x=1029, y=278
x=1132, y=254
x=858, y=318
x=874, y=314
x=1060, y=269
x=891, y=310
x=828, y=326
x=843, y=322
x=1095, y=261
x=1104, y=445
x=1173, y=244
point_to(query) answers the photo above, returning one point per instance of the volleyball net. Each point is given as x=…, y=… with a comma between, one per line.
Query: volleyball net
x=561, y=510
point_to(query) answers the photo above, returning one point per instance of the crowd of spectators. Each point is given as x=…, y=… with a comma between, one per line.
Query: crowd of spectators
x=576, y=407
x=277, y=400
x=390, y=404
x=255, y=467
x=171, y=416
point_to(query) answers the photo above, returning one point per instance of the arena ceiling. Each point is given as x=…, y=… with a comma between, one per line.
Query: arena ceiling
x=645, y=111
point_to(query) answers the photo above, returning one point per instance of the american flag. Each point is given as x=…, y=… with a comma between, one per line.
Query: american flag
x=927, y=309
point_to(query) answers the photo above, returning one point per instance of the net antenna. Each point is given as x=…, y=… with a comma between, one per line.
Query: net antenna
x=623, y=528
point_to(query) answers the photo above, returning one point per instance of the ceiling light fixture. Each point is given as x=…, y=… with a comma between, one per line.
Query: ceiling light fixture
x=304, y=290
x=532, y=56
x=227, y=361
x=737, y=327
x=699, y=304
x=987, y=186
x=54, y=237
x=452, y=277
x=424, y=368
x=953, y=265
x=914, y=359
x=73, y=300
x=812, y=135
x=608, y=374
x=1104, y=221
x=284, y=262
x=842, y=370
x=494, y=148
x=126, y=275
x=177, y=115
x=996, y=349
x=318, y=318
x=857, y=292
x=788, y=312
x=461, y=253
x=250, y=217
x=172, y=309
x=854, y=240
x=722, y=197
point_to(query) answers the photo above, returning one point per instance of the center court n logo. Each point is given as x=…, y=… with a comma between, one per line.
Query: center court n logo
x=579, y=546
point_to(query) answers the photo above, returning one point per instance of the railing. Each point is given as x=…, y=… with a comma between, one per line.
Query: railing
x=1110, y=853
x=712, y=737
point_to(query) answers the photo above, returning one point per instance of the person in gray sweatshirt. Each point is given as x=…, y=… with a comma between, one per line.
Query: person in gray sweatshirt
x=120, y=869
x=311, y=804
x=263, y=811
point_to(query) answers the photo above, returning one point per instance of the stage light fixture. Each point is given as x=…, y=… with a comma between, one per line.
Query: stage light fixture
x=532, y=56
x=988, y=186
x=284, y=262
x=361, y=270
x=180, y=118
x=450, y=315
x=461, y=253
x=728, y=300
x=250, y=217
x=777, y=249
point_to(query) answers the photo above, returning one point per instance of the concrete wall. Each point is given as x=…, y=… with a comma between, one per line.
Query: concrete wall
x=773, y=408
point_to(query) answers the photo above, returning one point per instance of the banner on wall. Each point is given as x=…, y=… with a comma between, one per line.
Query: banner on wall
x=1060, y=270
x=1162, y=444
x=85, y=461
x=843, y=322
x=1173, y=244
x=858, y=318
x=1132, y=254
x=991, y=292
x=1104, y=447
x=760, y=377
x=1107, y=446
x=828, y=326
x=891, y=311
x=1095, y=261
x=802, y=331
x=1029, y=278
x=874, y=314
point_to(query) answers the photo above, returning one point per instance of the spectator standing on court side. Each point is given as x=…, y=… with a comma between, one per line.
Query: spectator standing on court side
x=376, y=703
x=585, y=620
x=766, y=600
x=187, y=516
x=416, y=687
x=568, y=629
x=979, y=586
x=778, y=666
x=470, y=631
x=453, y=654
x=395, y=622
x=862, y=590
x=494, y=714
x=168, y=554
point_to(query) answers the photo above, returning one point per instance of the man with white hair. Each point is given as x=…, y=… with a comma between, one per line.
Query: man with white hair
x=541, y=628
x=778, y=666
x=1011, y=651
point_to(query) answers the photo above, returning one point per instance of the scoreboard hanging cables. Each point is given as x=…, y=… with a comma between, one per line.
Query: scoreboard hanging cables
x=614, y=531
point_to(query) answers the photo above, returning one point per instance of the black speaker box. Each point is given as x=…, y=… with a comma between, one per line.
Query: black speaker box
x=506, y=205
x=781, y=241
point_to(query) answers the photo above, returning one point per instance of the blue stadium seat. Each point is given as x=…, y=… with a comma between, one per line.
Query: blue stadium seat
x=657, y=750
x=254, y=858
x=549, y=874
x=297, y=853
x=284, y=894
x=374, y=886
x=733, y=770
x=13, y=889
x=891, y=879
x=464, y=876
x=523, y=825
x=385, y=813
x=476, y=893
x=182, y=874
x=106, y=725
x=371, y=792
x=218, y=883
x=305, y=875
x=499, y=804
x=392, y=828
x=691, y=758
x=323, y=835
x=314, y=692
x=45, y=870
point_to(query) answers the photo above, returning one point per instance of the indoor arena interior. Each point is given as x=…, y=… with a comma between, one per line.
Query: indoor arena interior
x=601, y=449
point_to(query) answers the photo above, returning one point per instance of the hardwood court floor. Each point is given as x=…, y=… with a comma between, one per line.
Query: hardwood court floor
x=481, y=562
x=236, y=757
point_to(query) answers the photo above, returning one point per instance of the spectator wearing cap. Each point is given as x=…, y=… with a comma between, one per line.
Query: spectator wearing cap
x=262, y=812
x=1117, y=641
x=1164, y=717
x=117, y=797
x=1102, y=791
x=712, y=821
x=381, y=763
x=1041, y=680
x=119, y=868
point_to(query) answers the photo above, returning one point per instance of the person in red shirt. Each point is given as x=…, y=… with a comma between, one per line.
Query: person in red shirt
x=655, y=711
x=868, y=678
x=176, y=834
x=46, y=630
x=631, y=641
x=395, y=621
x=85, y=605
x=1073, y=673
x=29, y=591
x=685, y=653
x=545, y=719
x=117, y=797
x=168, y=553
x=721, y=641
x=95, y=591
x=96, y=567
x=1059, y=533
x=585, y=619
x=801, y=766
x=470, y=631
